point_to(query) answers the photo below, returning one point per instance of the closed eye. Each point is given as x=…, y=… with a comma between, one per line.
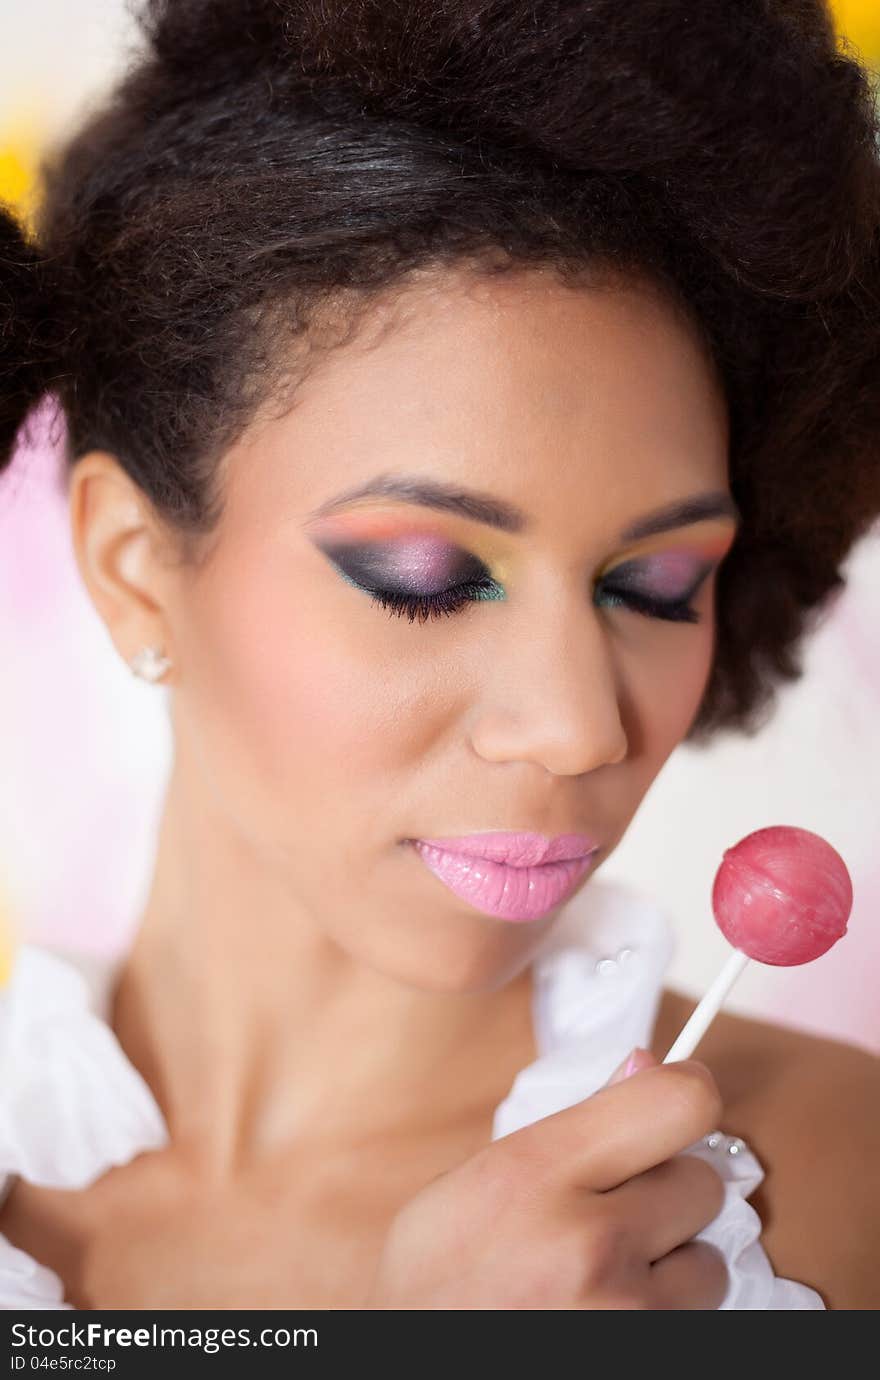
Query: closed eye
x=421, y=578
x=628, y=589
x=670, y=610
x=439, y=604
x=443, y=603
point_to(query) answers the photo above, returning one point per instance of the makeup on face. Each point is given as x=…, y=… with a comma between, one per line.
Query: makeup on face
x=668, y=571
x=409, y=562
x=403, y=557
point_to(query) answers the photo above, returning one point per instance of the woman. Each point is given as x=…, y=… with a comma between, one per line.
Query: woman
x=467, y=404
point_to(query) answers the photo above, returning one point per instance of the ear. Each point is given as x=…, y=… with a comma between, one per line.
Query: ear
x=124, y=553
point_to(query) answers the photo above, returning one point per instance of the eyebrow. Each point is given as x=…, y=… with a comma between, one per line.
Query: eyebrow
x=496, y=512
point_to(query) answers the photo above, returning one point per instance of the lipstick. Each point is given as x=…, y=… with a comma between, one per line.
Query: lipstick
x=513, y=876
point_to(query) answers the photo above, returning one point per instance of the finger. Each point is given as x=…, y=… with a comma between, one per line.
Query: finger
x=623, y=1129
x=691, y=1276
x=667, y=1205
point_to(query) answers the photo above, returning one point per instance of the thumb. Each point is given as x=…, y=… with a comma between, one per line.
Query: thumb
x=638, y=1059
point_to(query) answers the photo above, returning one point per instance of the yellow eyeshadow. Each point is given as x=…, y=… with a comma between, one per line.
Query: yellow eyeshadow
x=707, y=546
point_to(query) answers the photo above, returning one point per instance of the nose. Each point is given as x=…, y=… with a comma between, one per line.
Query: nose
x=551, y=692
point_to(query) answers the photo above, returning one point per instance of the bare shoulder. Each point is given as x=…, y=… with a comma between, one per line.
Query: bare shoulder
x=809, y=1108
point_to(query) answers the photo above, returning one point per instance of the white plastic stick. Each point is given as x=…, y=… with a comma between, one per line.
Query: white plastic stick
x=703, y=1015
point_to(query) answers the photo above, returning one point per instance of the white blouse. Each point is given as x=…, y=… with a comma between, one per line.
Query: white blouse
x=72, y=1105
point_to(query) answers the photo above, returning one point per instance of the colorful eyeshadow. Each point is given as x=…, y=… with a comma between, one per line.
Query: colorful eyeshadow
x=417, y=565
x=670, y=576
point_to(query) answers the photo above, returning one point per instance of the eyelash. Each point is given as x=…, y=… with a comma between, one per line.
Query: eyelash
x=449, y=601
x=425, y=606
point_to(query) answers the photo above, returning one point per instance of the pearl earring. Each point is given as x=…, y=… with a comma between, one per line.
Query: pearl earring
x=149, y=663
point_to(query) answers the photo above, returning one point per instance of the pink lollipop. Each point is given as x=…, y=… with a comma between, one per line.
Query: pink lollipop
x=781, y=896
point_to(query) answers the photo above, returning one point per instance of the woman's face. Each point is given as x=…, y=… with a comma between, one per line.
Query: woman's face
x=328, y=731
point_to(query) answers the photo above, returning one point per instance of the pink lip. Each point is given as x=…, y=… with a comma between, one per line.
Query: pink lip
x=516, y=849
x=515, y=876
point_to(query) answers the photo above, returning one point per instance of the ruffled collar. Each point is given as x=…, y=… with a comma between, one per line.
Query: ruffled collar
x=597, y=986
x=74, y=1105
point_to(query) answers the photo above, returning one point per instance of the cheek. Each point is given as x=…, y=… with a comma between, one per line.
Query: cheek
x=289, y=688
x=292, y=694
x=671, y=685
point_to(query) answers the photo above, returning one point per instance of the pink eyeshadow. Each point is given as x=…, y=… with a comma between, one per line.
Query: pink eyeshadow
x=670, y=573
x=419, y=562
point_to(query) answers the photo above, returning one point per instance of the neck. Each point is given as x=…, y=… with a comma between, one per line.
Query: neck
x=258, y=1034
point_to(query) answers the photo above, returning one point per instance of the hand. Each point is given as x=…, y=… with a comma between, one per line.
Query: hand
x=584, y=1209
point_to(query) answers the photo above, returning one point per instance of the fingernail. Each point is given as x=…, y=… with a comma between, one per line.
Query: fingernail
x=639, y=1059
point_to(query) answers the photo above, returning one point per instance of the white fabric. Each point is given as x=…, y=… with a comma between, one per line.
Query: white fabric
x=72, y=1105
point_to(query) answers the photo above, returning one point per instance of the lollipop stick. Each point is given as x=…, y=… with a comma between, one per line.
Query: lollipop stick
x=703, y=1015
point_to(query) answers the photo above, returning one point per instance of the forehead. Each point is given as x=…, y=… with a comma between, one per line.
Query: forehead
x=567, y=400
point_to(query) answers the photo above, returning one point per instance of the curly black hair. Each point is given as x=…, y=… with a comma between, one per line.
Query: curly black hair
x=261, y=159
